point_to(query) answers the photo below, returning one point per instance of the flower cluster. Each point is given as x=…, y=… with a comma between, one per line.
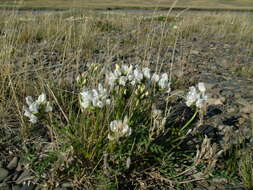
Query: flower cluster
x=35, y=107
x=95, y=97
x=119, y=129
x=197, y=95
x=129, y=75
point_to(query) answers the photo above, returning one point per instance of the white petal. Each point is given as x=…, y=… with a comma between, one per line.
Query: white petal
x=111, y=79
x=34, y=108
x=125, y=130
x=85, y=103
x=138, y=75
x=114, y=125
x=100, y=104
x=201, y=87
x=29, y=100
x=200, y=103
x=48, y=107
x=27, y=112
x=163, y=82
x=33, y=119
x=110, y=137
x=125, y=121
x=123, y=80
x=42, y=99
x=130, y=77
x=108, y=102
x=155, y=78
x=146, y=72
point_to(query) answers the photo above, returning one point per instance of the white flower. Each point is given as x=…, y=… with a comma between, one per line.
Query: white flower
x=108, y=101
x=130, y=77
x=126, y=69
x=102, y=91
x=48, y=107
x=85, y=98
x=34, y=107
x=27, y=112
x=117, y=71
x=146, y=72
x=111, y=78
x=192, y=96
x=123, y=80
x=201, y=101
x=138, y=75
x=33, y=119
x=164, y=81
x=155, y=78
x=201, y=87
x=96, y=98
x=99, y=104
x=133, y=82
x=119, y=129
x=197, y=96
x=42, y=99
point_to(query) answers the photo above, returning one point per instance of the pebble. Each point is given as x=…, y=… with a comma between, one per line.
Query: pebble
x=67, y=185
x=3, y=174
x=247, y=109
x=213, y=110
x=227, y=93
x=13, y=163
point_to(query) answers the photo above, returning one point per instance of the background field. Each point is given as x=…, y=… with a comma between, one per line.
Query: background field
x=204, y=4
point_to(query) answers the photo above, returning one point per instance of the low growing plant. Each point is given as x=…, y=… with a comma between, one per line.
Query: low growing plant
x=116, y=120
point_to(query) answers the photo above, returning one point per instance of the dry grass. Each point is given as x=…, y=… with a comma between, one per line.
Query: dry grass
x=206, y=4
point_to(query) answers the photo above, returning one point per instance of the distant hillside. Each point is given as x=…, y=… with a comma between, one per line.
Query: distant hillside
x=205, y=4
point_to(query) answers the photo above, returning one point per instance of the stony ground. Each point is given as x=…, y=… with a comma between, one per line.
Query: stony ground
x=220, y=65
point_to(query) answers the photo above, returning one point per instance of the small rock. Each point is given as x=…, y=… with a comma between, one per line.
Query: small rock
x=227, y=93
x=67, y=185
x=19, y=167
x=3, y=174
x=210, y=86
x=215, y=101
x=13, y=163
x=223, y=127
x=213, y=110
x=242, y=102
x=247, y=109
x=194, y=52
x=207, y=130
x=232, y=109
x=231, y=121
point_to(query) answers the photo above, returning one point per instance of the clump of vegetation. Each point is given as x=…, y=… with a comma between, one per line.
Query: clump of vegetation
x=116, y=121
